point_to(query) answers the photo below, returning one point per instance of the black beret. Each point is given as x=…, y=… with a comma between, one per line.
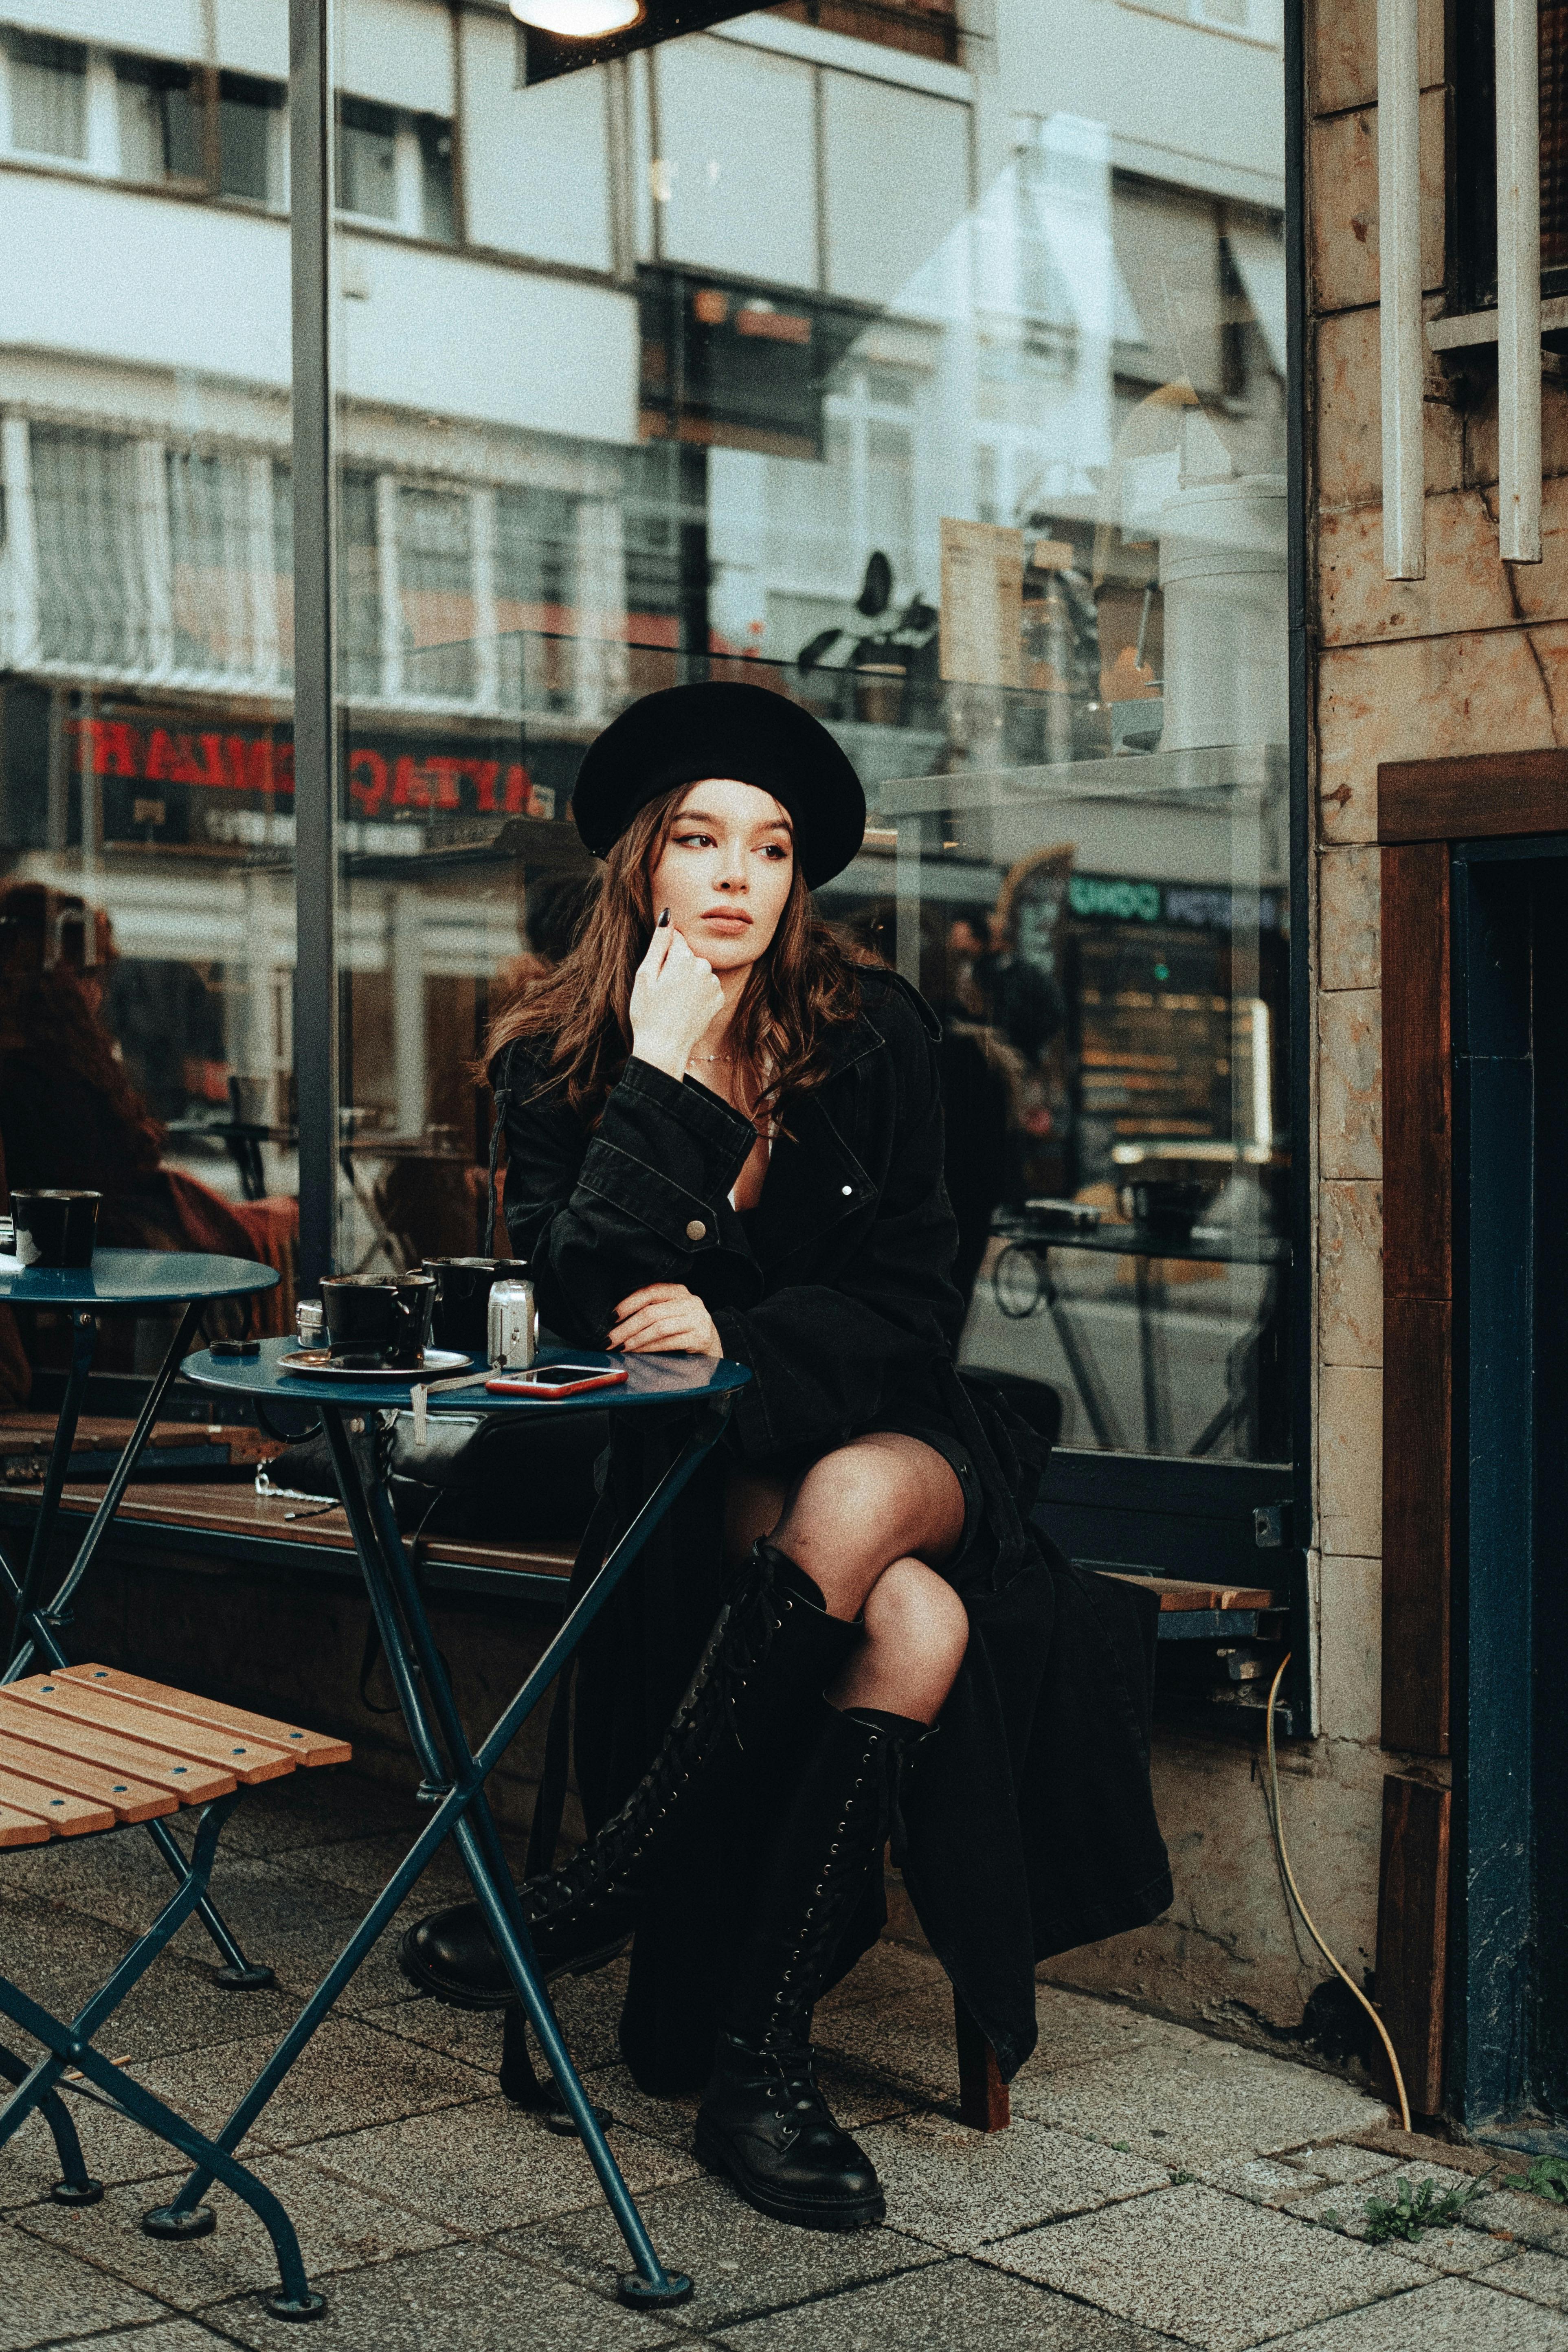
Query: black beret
x=718, y=728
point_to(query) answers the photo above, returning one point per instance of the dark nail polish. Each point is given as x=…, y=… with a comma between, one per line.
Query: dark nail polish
x=664, y=919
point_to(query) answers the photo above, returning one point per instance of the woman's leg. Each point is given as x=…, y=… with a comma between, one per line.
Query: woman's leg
x=863, y=1524
x=870, y=1524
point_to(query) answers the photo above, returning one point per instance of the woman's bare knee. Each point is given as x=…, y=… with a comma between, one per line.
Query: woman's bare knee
x=866, y=1504
x=917, y=1630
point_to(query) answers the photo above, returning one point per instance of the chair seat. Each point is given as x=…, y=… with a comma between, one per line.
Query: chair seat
x=89, y=1748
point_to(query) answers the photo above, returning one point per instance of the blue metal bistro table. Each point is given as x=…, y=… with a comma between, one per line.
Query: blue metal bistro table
x=456, y=1773
x=124, y=1280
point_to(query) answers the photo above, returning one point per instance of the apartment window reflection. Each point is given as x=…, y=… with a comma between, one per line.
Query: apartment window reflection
x=367, y=159
x=160, y=121
x=359, y=655
x=251, y=138
x=397, y=168
x=91, y=595
x=435, y=583
x=47, y=82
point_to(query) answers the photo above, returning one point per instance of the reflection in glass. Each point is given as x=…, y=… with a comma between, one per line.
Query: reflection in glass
x=147, y=778
x=48, y=90
x=992, y=478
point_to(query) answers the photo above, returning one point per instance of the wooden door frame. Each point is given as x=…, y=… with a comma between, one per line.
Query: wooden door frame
x=1424, y=808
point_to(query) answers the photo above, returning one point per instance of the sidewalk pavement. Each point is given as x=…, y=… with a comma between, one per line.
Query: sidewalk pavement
x=1157, y=2186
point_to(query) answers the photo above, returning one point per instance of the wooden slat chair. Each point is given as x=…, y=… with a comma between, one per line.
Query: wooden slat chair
x=84, y=1751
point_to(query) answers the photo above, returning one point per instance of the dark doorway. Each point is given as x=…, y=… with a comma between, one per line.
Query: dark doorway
x=1509, y=1986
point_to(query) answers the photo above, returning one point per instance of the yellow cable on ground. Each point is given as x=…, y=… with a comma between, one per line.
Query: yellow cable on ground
x=1278, y=1826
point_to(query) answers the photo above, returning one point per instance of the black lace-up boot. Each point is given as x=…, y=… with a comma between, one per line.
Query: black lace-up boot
x=774, y=1647
x=764, y=2121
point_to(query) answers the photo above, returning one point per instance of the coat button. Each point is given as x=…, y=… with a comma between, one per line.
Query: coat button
x=847, y=1190
x=695, y=1229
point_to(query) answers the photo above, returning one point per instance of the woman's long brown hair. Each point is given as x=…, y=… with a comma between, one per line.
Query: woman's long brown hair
x=800, y=989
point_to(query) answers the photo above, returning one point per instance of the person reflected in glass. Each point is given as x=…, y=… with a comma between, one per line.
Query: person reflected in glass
x=725, y=1138
x=71, y=1117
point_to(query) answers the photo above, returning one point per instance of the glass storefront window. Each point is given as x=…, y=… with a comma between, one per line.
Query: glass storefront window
x=146, y=812
x=950, y=402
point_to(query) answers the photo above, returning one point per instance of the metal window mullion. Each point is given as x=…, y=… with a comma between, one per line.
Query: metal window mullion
x=1400, y=325
x=150, y=462
x=482, y=578
x=21, y=543
x=389, y=586
x=1519, y=280
x=315, y=1022
x=261, y=571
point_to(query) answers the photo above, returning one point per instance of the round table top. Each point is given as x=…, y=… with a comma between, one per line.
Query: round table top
x=651, y=1379
x=136, y=1278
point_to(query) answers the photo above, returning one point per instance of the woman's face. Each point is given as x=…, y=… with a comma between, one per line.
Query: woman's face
x=725, y=871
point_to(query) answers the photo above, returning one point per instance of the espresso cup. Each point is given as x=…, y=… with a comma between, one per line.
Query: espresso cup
x=384, y=1321
x=461, y=1314
x=55, y=1228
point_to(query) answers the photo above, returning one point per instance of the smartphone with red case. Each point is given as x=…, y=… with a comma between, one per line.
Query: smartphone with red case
x=554, y=1380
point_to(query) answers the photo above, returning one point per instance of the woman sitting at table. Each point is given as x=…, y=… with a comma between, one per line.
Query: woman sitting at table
x=725, y=1138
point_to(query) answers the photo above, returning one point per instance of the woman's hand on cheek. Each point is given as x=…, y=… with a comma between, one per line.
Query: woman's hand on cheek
x=665, y=1318
x=675, y=996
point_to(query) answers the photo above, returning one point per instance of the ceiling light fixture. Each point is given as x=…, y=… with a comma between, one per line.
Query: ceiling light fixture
x=578, y=20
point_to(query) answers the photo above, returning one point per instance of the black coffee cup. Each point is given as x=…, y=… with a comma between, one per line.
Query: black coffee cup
x=55, y=1228
x=461, y=1318
x=383, y=1320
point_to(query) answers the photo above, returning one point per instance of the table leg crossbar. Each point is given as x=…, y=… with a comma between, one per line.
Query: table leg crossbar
x=35, y=1634
x=71, y=2044
x=454, y=1778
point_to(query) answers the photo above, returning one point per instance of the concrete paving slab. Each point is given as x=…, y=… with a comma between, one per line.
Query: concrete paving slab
x=744, y=2264
x=341, y=2227
x=1450, y=2316
x=1347, y=2161
x=1192, y=2106
x=1529, y=2219
x=47, y=2296
x=909, y=2040
x=588, y=2008
x=956, y=2188
x=487, y=2167
x=114, y=2147
x=1076, y=2029
x=1542, y=2278
x=348, y=2076
x=1456, y=2249
x=61, y=1955
x=166, y=2336
x=1266, y=2179
x=888, y=1972
x=952, y=2304
x=461, y=2299
x=1211, y=2270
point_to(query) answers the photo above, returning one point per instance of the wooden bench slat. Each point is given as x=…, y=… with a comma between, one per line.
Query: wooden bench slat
x=54, y=1697
x=1188, y=1592
x=21, y=1829
x=189, y=1783
x=307, y=1747
x=130, y=1800
x=62, y=1814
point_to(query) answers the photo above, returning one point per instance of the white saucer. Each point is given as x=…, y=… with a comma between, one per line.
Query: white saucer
x=318, y=1365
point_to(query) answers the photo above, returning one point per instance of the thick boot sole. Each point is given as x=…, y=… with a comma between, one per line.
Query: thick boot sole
x=453, y=1993
x=712, y=2149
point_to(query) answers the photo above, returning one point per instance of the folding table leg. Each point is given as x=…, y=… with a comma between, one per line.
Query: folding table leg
x=76, y=2185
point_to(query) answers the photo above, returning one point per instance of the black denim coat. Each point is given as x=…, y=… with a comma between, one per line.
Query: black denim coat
x=1028, y=1823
